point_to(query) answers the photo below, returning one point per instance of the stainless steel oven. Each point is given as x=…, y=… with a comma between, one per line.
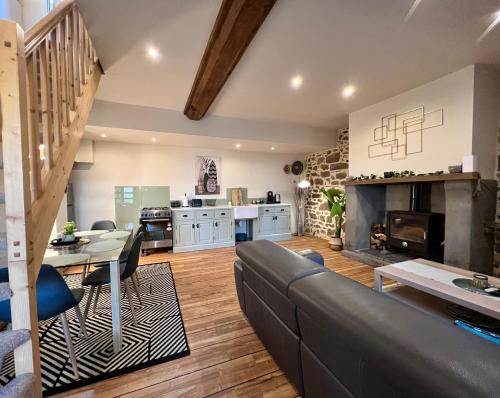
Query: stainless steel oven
x=157, y=226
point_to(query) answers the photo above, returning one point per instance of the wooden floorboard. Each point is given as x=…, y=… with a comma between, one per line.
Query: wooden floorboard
x=227, y=359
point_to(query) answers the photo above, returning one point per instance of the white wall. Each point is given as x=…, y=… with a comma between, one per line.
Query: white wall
x=442, y=146
x=129, y=164
x=11, y=9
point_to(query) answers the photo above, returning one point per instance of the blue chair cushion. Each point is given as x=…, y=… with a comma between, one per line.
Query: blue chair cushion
x=53, y=297
x=313, y=256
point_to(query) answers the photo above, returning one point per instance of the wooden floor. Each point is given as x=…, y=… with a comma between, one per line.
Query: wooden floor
x=227, y=359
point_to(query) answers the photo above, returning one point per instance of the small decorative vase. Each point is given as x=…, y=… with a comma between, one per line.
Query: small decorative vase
x=68, y=238
x=336, y=244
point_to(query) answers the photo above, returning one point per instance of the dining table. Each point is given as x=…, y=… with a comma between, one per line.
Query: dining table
x=97, y=248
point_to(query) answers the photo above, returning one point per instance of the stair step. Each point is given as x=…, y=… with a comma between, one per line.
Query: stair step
x=20, y=387
x=5, y=291
x=11, y=339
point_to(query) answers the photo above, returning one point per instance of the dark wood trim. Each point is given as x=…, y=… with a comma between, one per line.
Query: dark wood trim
x=234, y=29
x=409, y=180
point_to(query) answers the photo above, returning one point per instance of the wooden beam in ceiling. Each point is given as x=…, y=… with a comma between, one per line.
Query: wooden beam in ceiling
x=234, y=29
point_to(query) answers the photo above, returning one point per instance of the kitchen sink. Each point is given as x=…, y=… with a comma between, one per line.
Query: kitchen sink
x=246, y=212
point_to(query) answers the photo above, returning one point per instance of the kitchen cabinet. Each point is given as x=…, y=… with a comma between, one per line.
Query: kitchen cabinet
x=203, y=228
x=283, y=224
x=184, y=234
x=204, y=232
x=223, y=230
x=266, y=224
x=274, y=222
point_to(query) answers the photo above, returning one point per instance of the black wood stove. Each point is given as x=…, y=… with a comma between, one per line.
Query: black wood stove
x=417, y=231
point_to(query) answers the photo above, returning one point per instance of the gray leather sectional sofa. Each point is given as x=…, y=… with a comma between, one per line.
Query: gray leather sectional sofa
x=334, y=337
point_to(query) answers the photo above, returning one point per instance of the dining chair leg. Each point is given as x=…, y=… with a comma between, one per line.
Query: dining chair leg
x=136, y=287
x=85, y=271
x=130, y=302
x=96, y=298
x=69, y=343
x=89, y=302
x=81, y=320
x=136, y=277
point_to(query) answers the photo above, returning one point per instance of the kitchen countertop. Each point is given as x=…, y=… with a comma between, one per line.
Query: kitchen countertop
x=202, y=208
x=224, y=207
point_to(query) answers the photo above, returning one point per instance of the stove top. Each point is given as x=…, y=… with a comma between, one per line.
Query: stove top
x=155, y=212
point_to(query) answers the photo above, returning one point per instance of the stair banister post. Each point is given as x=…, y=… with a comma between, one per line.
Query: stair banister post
x=14, y=125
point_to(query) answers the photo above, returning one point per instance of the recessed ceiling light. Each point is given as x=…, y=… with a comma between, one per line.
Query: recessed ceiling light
x=152, y=53
x=348, y=91
x=296, y=82
x=273, y=148
x=103, y=135
x=153, y=139
x=238, y=146
x=492, y=25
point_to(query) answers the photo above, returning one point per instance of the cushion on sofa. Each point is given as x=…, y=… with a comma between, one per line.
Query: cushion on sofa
x=372, y=342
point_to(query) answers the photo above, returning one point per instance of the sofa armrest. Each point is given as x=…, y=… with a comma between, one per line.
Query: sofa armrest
x=238, y=278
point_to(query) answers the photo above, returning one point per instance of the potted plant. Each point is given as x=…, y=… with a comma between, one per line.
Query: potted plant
x=336, y=204
x=68, y=232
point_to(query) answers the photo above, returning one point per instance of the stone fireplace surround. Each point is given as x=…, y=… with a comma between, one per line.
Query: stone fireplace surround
x=468, y=204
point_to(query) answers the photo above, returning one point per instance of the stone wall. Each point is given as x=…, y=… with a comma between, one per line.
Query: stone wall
x=324, y=169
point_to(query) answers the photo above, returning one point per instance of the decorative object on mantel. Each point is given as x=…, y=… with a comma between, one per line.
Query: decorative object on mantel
x=299, y=195
x=401, y=134
x=395, y=174
x=378, y=238
x=405, y=173
x=297, y=167
x=470, y=163
x=455, y=169
x=207, y=171
x=287, y=169
x=336, y=204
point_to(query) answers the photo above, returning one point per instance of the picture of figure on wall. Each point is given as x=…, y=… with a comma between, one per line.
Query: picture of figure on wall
x=207, y=174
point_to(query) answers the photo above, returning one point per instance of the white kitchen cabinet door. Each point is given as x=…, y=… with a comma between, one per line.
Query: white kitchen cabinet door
x=282, y=223
x=267, y=224
x=185, y=234
x=223, y=230
x=204, y=232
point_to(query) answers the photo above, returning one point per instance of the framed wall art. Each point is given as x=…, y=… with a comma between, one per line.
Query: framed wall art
x=207, y=175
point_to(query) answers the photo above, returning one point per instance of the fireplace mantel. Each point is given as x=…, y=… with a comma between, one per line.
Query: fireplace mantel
x=468, y=244
x=416, y=179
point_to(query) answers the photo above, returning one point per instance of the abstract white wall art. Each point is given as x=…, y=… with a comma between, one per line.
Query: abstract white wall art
x=401, y=134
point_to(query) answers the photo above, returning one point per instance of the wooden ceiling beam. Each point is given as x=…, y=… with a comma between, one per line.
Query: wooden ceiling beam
x=236, y=25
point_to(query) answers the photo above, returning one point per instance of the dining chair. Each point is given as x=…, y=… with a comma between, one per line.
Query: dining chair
x=103, y=224
x=100, y=277
x=53, y=299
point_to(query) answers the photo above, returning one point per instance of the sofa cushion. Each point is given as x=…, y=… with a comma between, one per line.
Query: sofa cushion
x=279, y=266
x=355, y=331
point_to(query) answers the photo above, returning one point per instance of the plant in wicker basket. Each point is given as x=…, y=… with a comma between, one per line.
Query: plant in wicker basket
x=336, y=204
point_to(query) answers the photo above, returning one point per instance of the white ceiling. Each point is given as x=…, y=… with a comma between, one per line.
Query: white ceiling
x=143, y=137
x=330, y=42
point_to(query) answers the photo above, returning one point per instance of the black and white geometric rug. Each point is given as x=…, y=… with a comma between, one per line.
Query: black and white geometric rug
x=158, y=337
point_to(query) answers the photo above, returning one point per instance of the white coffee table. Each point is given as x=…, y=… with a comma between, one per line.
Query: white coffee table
x=437, y=279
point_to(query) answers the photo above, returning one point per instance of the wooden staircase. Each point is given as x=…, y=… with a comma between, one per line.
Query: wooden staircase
x=48, y=80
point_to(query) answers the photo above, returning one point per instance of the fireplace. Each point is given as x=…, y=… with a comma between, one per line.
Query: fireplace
x=468, y=203
x=418, y=233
